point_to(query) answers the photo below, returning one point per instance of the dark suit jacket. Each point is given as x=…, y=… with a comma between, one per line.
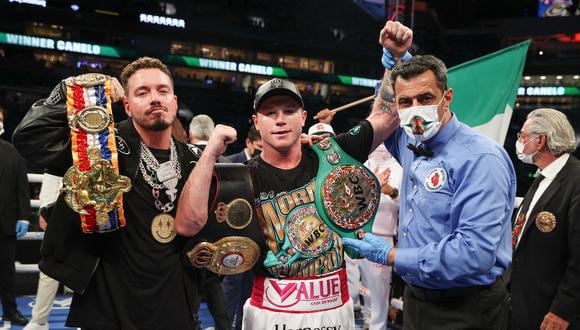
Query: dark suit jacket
x=546, y=266
x=240, y=157
x=14, y=189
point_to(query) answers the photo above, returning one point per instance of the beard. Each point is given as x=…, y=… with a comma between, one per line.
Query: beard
x=158, y=125
x=155, y=125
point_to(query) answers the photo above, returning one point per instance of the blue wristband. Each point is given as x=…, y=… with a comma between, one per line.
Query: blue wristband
x=388, y=59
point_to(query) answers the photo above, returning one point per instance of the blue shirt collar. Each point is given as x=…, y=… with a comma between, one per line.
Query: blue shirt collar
x=445, y=134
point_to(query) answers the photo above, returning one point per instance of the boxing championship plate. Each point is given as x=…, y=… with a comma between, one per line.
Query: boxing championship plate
x=229, y=255
x=231, y=220
x=93, y=187
x=306, y=236
x=347, y=193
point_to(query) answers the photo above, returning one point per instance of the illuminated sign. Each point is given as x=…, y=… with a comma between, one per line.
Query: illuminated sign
x=217, y=64
x=162, y=20
x=256, y=69
x=63, y=45
x=41, y=3
x=549, y=91
x=357, y=81
x=207, y=63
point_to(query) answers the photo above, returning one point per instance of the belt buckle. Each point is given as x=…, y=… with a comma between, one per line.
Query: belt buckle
x=92, y=119
x=306, y=236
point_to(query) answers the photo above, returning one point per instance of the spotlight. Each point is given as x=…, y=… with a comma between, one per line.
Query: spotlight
x=541, y=52
x=558, y=77
x=542, y=77
x=527, y=78
x=75, y=7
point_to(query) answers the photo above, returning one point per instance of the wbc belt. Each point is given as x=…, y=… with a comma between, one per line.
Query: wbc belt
x=93, y=187
x=347, y=193
x=231, y=240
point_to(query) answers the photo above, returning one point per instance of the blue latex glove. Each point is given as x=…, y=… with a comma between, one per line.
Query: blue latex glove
x=388, y=59
x=371, y=247
x=21, y=228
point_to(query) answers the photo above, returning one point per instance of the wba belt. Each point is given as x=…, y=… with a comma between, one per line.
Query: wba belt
x=93, y=187
x=231, y=240
x=301, y=294
x=347, y=193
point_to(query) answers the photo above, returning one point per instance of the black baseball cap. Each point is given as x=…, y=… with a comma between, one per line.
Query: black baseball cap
x=276, y=87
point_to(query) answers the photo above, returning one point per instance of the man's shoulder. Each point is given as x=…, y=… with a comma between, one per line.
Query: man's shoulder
x=471, y=142
x=7, y=148
x=238, y=157
x=572, y=166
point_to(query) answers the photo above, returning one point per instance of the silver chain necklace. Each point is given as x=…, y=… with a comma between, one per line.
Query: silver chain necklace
x=164, y=176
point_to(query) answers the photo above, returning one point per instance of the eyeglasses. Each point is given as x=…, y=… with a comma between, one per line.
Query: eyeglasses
x=522, y=135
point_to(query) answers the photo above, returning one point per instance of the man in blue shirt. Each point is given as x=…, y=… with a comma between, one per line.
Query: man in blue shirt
x=457, y=199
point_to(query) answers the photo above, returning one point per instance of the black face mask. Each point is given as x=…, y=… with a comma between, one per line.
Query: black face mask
x=256, y=152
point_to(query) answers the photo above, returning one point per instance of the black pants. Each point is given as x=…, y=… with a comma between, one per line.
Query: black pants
x=486, y=308
x=7, y=271
x=216, y=302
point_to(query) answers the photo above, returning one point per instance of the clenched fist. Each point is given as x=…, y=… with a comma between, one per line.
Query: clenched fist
x=220, y=138
x=396, y=38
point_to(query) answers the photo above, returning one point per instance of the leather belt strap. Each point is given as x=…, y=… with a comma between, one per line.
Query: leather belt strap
x=231, y=241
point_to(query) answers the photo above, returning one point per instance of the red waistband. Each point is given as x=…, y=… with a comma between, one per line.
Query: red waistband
x=301, y=294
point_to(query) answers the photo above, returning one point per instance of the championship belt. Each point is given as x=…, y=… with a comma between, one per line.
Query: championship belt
x=231, y=240
x=93, y=187
x=306, y=236
x=347, y=193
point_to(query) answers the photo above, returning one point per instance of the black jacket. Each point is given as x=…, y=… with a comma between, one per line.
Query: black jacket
x=68, y=255
x=546, y=266
x=14, y=189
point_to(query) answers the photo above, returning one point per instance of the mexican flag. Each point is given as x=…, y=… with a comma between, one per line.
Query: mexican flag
x=485, y=90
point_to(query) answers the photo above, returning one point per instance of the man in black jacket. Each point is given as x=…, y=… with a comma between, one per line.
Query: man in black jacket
x=131, y=278
x=14, y=210
x=545, y=277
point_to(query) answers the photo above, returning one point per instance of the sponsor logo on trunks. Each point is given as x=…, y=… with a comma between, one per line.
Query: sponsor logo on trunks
x=285, y=327
x=313, y=294
x=436, y=179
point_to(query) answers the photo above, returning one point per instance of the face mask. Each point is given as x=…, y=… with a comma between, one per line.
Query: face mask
x=421, y=122
x=520, y=152
x=1, y=128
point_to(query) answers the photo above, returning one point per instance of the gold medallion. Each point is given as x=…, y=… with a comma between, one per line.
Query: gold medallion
x=163, y=228
x=227, y=256
x=545, y=221
x=100, y=186
x=237, y=213
x=93, y=119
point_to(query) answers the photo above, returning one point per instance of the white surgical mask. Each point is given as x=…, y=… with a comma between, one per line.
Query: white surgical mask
x=423, y=115
x=520, y=151
x=1, y=128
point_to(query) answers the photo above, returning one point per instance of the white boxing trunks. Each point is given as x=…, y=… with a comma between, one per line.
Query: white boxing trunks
x=317, y=302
